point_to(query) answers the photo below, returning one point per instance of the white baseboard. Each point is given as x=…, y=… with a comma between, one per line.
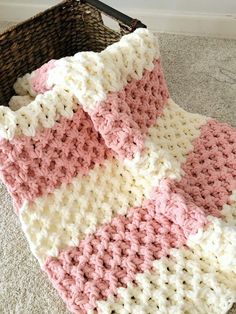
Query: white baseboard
x=162, y=21
x=198, y=24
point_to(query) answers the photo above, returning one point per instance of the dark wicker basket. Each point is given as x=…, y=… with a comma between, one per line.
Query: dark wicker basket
x=60, y=31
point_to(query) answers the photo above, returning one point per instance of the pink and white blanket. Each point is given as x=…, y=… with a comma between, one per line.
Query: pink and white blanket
x=127, y=201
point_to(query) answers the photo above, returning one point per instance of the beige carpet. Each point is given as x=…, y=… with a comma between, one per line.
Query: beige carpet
x=201, y=73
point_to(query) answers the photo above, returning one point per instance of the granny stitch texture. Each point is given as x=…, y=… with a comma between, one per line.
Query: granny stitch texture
x=127, y=201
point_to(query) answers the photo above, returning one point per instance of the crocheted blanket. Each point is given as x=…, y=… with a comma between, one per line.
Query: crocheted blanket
x=127, y=201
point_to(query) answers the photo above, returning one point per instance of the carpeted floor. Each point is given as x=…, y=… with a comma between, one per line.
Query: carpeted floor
x=201, y=74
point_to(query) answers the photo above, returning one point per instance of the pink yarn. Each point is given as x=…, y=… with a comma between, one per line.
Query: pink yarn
x=123, y=118
x=210, y=170
x=116, y=252
x=169, y=202
x=39, y=79
x=33, y=166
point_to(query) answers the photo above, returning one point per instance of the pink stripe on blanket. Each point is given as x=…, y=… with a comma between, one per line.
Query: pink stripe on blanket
x=112, y=256
x=40, y=77
x=123, y=118
x=210, y=170
x=32, y=166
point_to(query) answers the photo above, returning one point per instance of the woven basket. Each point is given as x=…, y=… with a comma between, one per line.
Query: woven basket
x=60, y=31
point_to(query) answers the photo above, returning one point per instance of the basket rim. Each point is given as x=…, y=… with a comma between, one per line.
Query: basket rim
x=134, y=24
